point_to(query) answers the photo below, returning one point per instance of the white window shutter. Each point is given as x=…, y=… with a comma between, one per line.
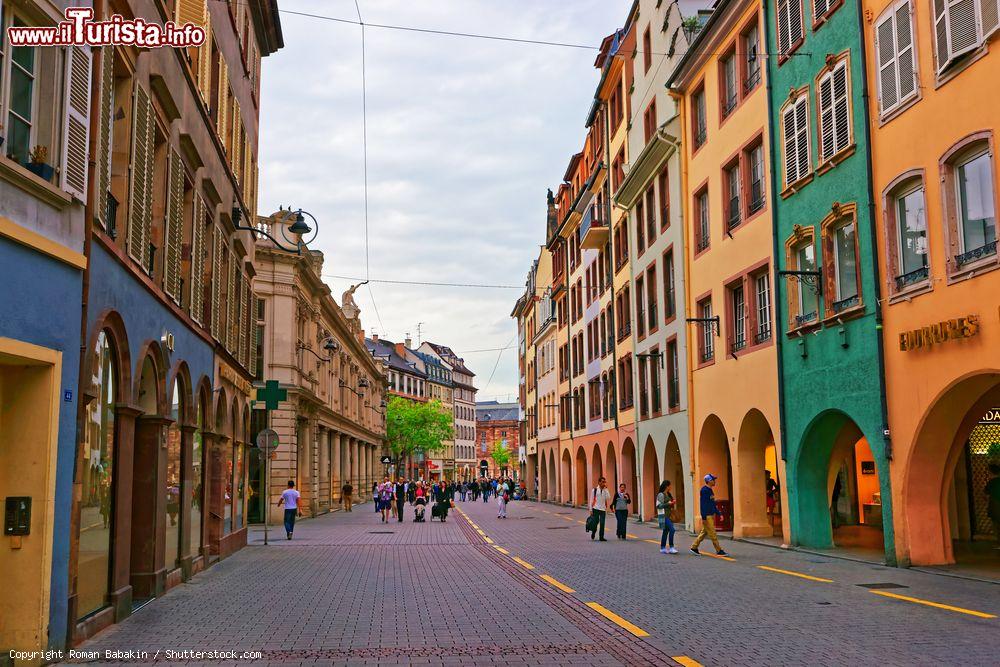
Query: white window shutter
x=106, y=135
x=802, y=136
x=795, y=27
x=905, y=52
x=820, y=7
x=783, y=30
x=826, y=120
x=197, y=282
x=963, y=26
x=139, y=214
x=989, y=15
x=76, y=125
x=841, y=108
x=175, y=227
x=791, y=159
x=885, y=50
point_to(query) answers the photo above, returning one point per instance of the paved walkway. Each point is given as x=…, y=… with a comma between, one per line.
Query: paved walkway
x=535, y=590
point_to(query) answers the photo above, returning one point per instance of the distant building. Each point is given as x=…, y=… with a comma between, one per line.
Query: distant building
x=464, y=408
x=497, y=423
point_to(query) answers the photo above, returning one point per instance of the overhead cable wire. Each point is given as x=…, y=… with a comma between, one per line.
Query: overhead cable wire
x=488, y=382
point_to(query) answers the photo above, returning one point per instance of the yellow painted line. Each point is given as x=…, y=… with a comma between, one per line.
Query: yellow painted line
x=652, y=541
x=795, y=574
x=686, y=661
x=558, y=584
x=523, y=563
x=502, y=550
x=488, y=540
x=717, y=556
x=631, y=536
x=948, y=607
x=617, y=620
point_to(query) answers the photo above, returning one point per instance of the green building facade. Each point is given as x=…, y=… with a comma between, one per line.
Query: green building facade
x=831, y=373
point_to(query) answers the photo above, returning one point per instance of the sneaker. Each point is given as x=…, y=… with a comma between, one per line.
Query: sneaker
x=592, y=536
x=671, y=550
x=663, y=551
x=721, y=552
x=695, y=551
x=289, y=536
x=602, y=540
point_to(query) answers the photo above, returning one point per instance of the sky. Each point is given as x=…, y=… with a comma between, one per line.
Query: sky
x=464, y=138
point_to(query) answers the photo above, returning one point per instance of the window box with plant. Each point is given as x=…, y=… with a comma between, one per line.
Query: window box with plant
x=38, y=164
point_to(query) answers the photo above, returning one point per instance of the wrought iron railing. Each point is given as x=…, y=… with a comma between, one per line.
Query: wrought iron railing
x=975, y=254
x=753, y=78
x=700, y=136
x=702, y=242
x=734, y=213
x=911, y=277
x=707, y=355
x=762, y=336
x=729, y=104
x=806, y=318
x=738, y=344
x=844, y=304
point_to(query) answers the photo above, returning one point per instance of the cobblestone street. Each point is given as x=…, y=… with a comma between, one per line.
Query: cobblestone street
x=534, y=589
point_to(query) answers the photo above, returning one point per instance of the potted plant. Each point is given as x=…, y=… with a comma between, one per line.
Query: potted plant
x=37, y=164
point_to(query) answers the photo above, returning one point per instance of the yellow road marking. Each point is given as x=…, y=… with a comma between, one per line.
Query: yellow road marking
x=488, y=540
x=652, y=541
x=523, y=563
x=948, y=607
x=717, y=556
x=558, y=584
x=502, y=550
x=631, y=536
x=617, y=620
x=686, y=661
x=795, y=574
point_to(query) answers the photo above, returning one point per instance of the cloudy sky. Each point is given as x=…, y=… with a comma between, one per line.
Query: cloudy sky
x=464, y=137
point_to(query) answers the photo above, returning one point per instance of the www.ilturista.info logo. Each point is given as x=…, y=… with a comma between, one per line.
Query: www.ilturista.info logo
x=79, y=29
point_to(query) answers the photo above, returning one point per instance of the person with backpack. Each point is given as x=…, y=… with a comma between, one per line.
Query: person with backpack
x=665, y=504
x=383, y=498
x=600, y=500
x=709, y=510
x=620, y=502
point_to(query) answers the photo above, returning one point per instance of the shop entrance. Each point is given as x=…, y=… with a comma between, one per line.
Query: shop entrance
x=255, y=466
x=974, y=497
x=758, y=510
x=855, y=500
x=713, y=458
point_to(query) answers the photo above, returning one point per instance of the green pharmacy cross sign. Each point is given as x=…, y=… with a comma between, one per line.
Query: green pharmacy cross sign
x=272, y=394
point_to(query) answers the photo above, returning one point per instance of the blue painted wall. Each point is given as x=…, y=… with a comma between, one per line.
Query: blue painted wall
x=40, y=302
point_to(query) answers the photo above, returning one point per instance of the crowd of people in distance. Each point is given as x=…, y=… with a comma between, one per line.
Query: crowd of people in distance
x=391, y=497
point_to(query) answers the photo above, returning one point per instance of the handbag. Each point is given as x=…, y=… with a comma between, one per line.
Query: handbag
x=591, y=524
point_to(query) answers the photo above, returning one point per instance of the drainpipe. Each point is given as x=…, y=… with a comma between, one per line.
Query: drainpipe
x=776, y=246
x=679, y=100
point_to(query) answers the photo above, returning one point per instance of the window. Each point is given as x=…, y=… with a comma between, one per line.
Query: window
x=651, y=297
x=907, y=234
x=897, y=73
x=701, y=220
x=977, y=232
x=649, y=120
x=617, y=111
x=663, y=186
x=795, y=139
x=790, y=28
x=845, y=262
x=647, y=50
x=834, y=112
x=650, y=215
x=706, y=341
x=655, y=391
x=640, y=222
x=738, y=313
x=762, y=300
x=751, y=55
x=727, y=89
x=700, y=121
x=643, y=391
x=669, y=286
x=755, y=171
x=840, y=253
x=803, y=298
x=20, y=102
x=823, y=8
x=673, y=376
x=640, y=307
x=960, y=27
x=731, y=177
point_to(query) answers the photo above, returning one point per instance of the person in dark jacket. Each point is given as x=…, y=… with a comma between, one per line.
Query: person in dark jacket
x=445, y=495
x=620, y=503
x=709, y=510
x=399, y=497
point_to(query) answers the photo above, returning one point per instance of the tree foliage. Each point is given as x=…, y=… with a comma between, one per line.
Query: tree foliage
x=416, y=428
x=500, y=455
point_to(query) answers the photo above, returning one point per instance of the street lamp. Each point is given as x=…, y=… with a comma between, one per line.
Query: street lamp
x=298, y=229
x=329, y=344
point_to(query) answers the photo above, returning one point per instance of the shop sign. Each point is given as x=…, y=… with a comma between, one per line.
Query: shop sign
x=231, y=376
x=935, y=334
x=992, y=416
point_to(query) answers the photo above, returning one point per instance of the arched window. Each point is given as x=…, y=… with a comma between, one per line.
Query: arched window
x=97, y=472
x=197, y=481
x=173, y=480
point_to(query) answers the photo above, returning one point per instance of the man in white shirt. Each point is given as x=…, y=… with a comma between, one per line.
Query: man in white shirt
x=600, y=500
x=290, y=499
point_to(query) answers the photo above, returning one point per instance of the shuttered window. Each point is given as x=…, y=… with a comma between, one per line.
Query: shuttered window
x=834, y=112
x=77, y=122
x=205, y=63
x=215, y=308
x=197, y=300
x=244, y=321
x=956, y=29
x=236, y=142
x=141, y=177
x=222, y=103
x=232, y=303
x=174, y=233
x=790, y=29
x=897, y=76
x=105, y=136
x=795, y=137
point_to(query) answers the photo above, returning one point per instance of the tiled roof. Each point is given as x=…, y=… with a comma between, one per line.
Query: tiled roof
x=453, y=359
x=387, y=349
x=497, y=411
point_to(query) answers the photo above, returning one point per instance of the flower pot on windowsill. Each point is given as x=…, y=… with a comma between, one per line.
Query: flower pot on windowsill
x=41, y=169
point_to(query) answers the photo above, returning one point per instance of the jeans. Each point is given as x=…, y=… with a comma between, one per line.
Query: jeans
x=399, y=510
x=347, y=502
x=290, y=520
x=622, y=517
x=501, y=507
x=707, y=530
x=668, y=532
x=601, y=516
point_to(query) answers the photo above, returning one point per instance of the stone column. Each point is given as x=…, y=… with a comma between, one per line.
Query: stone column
x=149, y=519
x=337, y=466
x=121, y=586
x=215, y=492
x=187, y=492
x=323, y=469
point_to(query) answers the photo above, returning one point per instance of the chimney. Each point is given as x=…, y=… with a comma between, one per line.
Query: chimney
x=408, y=342
x=400, y=351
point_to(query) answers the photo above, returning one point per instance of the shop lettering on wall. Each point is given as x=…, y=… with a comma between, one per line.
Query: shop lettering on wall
x=935, y=334
x=227, y=373
x=992, y=416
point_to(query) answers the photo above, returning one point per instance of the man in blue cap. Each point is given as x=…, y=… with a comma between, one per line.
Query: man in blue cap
x=709, y=511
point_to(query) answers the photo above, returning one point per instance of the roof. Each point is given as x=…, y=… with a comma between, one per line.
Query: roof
x=456, y=362
x=497, y=411
x=387, y=349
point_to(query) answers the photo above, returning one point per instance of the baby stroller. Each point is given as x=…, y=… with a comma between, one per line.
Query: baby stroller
x=439, y=511
x=418, y=510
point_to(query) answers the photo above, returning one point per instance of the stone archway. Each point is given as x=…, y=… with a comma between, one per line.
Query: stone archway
x=750, y=486
x=611, y=466
x=149, y=478
x=629, y=472
x=713, y=458
x=673, y=470
x=596, y=466
x=946, y=472
x=553, y=475
x=566, y=479
x=580, y=477
x=543, y=476
x=650, y=482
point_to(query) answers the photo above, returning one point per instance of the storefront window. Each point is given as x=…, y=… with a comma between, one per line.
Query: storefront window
x=227, y=500
x=197, y=471
x=238, y=475
x=97, y=471
x=173, y=481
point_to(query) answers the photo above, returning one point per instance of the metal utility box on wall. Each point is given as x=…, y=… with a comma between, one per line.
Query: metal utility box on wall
x=17, y=516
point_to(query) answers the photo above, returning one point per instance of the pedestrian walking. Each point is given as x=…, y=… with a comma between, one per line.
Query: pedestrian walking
x=445, y=497
x=400, y=497
x=709, y=510
x=383, y=498
x=378, y=507
x=290, y=499
x=503, y=497
x=346, y=497
x=465, y=491
x=621, y=502
x=600, y=500
x=665, y=504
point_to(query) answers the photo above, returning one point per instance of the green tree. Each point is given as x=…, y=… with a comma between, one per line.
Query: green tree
x=500, y=455
x=416, y=428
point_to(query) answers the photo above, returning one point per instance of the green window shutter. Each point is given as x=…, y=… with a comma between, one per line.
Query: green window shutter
x=174, y=234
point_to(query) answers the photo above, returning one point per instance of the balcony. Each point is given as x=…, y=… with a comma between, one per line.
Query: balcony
x=986, y=250
x=594, y=231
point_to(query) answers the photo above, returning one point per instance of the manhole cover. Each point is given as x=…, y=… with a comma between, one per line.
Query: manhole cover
x=558, y=528
x=381, y=532
x=881, y=586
